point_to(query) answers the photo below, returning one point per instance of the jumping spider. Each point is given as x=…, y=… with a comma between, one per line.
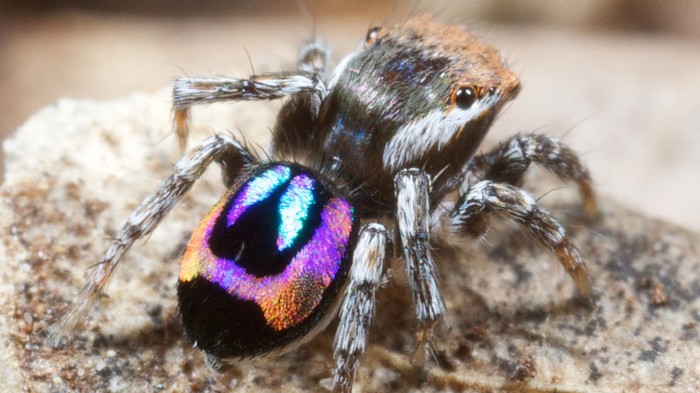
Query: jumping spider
x=390, y=139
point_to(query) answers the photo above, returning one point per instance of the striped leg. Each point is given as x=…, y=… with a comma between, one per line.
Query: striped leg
x=358, y=305
x=412, y=187
x=191, y=91
x=472, y=213
x=508, y=162
x=142, y=221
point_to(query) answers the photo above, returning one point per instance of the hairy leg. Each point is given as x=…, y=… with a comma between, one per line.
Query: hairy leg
x=471, y=215
x=191, y=91
x=142, y=221
x=412, y=187
x=358, y=307
x=508, y=162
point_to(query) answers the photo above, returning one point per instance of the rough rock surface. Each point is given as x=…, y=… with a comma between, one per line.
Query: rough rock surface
x=75, y=170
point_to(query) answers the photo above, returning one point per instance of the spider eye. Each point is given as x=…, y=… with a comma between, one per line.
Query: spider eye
x=372, y=35
x=463, y=97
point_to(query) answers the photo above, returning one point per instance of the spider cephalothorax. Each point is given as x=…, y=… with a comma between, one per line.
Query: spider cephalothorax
x=417, y=95
x=390, y=137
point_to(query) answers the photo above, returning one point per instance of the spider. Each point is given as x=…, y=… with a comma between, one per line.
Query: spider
x=388, y=140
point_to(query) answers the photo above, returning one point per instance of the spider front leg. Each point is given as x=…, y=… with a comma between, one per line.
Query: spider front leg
x=142, y=221
x=358, y=306
x=508, y=162
x=471, y=217
x=412, y=187
x=191, y=91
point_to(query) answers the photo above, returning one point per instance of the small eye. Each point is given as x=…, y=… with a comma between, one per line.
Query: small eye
x=372, y=35
x=464, y=97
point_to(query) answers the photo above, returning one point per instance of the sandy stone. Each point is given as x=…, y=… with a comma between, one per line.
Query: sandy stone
x=76, y=169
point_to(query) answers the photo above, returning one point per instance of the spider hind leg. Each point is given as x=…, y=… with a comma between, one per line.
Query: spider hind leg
x=141, y=222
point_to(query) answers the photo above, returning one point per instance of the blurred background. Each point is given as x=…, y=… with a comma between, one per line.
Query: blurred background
x=618, y=80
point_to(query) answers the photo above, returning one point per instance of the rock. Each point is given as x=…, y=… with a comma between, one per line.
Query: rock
x=76, y=169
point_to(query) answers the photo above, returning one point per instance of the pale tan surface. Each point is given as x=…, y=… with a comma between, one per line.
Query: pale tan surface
x=76, y=170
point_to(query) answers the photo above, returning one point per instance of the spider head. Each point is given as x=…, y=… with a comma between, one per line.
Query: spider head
x=420, y=94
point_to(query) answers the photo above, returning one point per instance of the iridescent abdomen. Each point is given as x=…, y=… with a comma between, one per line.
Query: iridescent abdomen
x=266, y=263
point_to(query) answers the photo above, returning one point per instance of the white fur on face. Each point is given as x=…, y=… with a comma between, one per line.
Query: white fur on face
x=436, y=129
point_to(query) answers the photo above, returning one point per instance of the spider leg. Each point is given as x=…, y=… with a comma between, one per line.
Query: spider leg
x=471, y=217
x=413, y=218
x=191, y=91
x=298, y=116
x=142, y=221
x=508, y=162
x=357, y=310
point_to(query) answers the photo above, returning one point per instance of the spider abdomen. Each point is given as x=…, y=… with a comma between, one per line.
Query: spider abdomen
x=266, y=263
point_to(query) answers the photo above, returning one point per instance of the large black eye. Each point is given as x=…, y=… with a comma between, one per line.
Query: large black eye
x=372, y=35
x=464, y=97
